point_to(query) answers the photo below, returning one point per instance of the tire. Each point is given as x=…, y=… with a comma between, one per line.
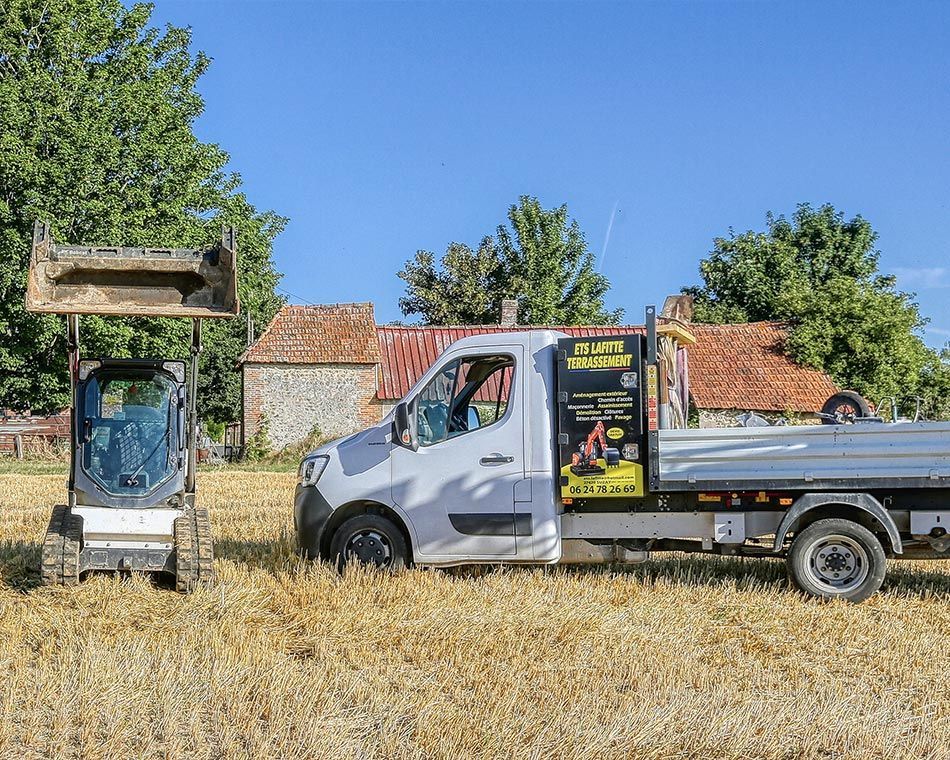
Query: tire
x=837, y=559
x=843, y=407
x=369, y=540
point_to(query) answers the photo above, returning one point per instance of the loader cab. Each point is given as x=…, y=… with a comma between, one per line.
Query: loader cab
x=129, y=432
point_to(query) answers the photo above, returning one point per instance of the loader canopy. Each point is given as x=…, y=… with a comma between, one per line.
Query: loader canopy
x=153, y=282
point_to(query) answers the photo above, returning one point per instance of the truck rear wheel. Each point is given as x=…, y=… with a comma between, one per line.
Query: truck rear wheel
x=837, y=559
x=369, y=540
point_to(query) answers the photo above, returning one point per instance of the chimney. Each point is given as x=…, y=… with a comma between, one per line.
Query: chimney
x=509, y=312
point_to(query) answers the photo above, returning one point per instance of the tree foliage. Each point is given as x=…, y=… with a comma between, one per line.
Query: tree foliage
x=819, y=272
x=97, y=137
x=540, y=258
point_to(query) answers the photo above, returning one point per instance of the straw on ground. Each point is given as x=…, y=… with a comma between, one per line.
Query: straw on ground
x=675, y=658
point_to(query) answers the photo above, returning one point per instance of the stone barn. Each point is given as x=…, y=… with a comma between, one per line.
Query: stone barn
x=313, y=368
x=333, y=368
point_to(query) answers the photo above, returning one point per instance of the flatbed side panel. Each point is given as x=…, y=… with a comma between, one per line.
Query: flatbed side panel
x=863, y=455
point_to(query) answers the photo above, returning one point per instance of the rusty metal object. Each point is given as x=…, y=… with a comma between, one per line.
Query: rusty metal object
x=149, y=282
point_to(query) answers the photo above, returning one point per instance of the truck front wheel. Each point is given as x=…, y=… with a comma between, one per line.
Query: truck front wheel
x=837, y=559
x=369, y=540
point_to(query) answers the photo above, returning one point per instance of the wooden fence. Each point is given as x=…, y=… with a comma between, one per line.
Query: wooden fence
x=22, y=434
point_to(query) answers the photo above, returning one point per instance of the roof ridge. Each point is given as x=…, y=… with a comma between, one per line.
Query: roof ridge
x=508, y=327
x=328, y=306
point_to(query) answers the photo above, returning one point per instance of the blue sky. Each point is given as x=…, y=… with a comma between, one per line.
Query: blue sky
x=380, y=129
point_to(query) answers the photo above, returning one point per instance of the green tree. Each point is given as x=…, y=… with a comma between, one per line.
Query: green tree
x=819, y=272
x=541, y=259
x=934, y=388
x=97, y=137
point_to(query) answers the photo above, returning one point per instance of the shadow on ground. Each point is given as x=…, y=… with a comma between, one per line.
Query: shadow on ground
x=764, y=575
x=20, y=562
x=20, y=565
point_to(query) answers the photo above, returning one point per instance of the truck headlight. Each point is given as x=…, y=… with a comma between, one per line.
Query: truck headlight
x=311, y=469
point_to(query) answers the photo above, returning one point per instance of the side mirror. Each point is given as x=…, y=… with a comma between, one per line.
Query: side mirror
x=474, y=418
x=404, y=429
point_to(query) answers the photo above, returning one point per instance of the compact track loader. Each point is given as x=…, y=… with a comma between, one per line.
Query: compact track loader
x=131, y=503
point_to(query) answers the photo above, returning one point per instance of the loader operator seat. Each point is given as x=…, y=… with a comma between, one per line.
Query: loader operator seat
x=126, y=452
x=130, y=446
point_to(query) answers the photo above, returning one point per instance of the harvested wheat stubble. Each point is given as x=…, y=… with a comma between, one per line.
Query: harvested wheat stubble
x=675, y=658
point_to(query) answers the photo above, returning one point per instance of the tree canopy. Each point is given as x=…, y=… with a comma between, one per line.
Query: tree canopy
x=540, y=258
x=97, y=137
x=819, y=272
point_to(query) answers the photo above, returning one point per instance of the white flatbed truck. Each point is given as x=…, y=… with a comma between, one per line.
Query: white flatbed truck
x=535, y=448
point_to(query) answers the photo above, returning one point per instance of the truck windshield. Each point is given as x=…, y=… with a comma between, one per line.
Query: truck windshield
x=129, y=433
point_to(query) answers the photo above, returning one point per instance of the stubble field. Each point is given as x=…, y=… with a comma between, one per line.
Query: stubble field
x=282, y=658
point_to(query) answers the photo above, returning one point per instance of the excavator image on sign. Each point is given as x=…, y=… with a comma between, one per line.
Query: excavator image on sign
x=585, y=460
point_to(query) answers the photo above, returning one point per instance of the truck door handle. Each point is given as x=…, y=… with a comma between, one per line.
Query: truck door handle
x=496, y=459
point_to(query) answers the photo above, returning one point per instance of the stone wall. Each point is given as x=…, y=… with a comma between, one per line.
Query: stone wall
x=726, y=418
x=295, y=398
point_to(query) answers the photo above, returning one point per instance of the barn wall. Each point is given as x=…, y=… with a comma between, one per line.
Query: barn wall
x=296, y=398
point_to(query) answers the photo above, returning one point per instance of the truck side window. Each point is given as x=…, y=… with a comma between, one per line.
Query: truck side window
x=466, y=395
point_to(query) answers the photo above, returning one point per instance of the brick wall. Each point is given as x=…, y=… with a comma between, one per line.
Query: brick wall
x=295, y=398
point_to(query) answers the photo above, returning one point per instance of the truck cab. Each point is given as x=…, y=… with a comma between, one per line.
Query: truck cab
x=455, y=466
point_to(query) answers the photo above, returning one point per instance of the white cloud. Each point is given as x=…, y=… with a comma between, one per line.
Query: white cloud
x=922, y=278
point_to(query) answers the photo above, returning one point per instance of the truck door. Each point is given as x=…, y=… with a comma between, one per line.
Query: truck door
x=458, y=487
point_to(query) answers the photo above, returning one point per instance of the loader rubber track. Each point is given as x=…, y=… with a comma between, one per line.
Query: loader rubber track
x=61, y=547
x=194, y=550
x=205, y=546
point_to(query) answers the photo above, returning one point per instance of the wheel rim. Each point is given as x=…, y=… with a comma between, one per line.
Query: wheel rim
x=845, y=412
x=837, y=564
x=369, y=547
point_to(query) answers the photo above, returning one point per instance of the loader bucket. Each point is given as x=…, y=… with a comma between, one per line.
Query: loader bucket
x=148, y=282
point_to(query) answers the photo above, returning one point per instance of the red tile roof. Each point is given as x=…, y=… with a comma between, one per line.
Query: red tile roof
x=743, y=367
x=731, y=366
x=340, y=334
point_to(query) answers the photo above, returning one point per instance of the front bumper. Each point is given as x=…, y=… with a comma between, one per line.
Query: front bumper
x=311, y=514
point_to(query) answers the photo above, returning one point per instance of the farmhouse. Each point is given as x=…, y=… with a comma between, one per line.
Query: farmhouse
x=333, y=368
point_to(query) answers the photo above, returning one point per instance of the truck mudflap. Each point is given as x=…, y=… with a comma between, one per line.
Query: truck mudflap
x=122, y=281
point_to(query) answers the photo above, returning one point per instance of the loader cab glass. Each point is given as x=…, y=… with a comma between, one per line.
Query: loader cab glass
x=467, y=394
x=131, y=429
